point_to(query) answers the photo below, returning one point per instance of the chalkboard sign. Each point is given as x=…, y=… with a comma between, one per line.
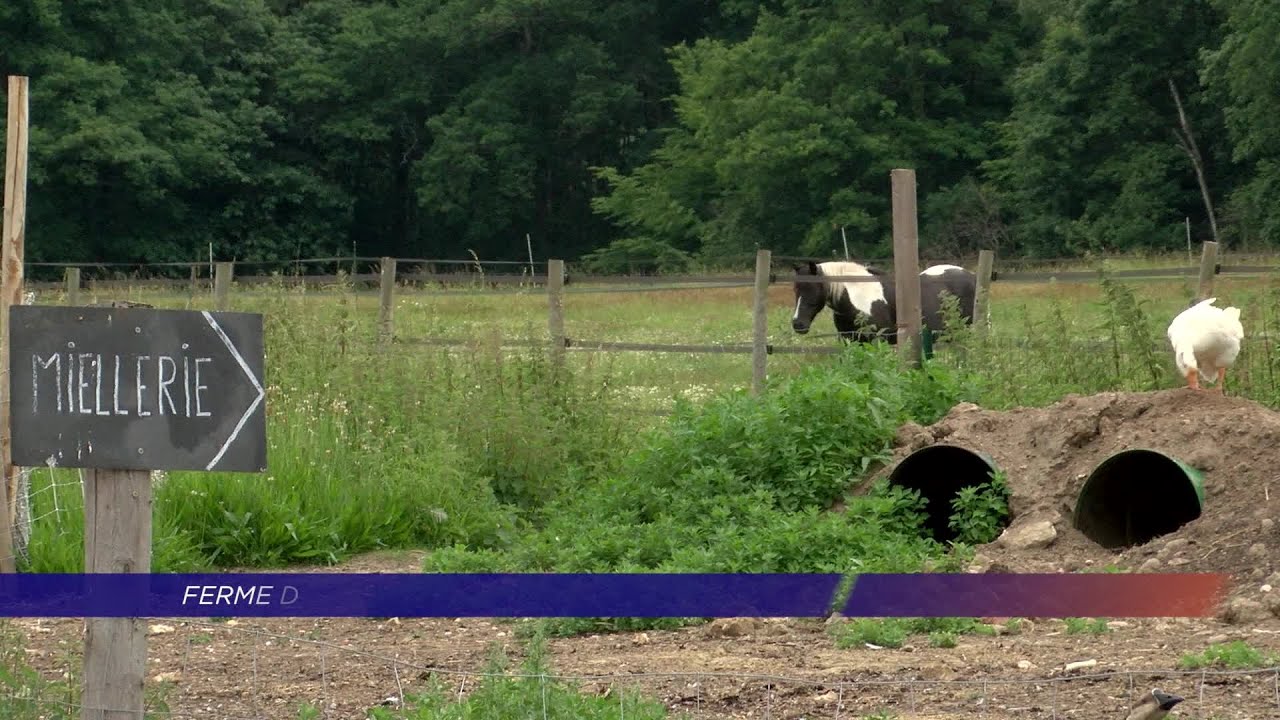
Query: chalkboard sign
x=137, y=389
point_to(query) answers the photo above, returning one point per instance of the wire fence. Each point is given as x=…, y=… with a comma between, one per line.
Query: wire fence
x=415, y=283
x=415, y=271
x=205, y=669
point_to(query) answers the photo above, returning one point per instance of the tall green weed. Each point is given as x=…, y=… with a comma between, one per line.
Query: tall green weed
x=370, y=446
x=746, y=484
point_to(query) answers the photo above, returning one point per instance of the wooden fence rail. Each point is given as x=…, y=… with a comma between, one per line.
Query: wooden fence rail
x=556, y=283
x=575, y=282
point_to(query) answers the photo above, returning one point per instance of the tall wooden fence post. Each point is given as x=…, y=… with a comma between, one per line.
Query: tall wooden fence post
x=222, y=275
x=760, y=322
x=11, y=258
x=117, y=539
x=386, y=297
x=906, y=264
x=982, y=298
x=555, y=310
x=73, y=286
x=1208, y=268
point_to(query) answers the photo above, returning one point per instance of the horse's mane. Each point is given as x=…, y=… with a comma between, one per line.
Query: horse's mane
x=844, y=267
x=847, y=267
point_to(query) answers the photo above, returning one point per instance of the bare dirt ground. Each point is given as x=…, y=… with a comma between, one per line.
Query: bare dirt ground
x=267, y=667
x=744, y=668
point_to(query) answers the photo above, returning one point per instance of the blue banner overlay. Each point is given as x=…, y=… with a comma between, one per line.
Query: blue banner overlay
x=1055, y=595
x=416, y=595
x=606, y=595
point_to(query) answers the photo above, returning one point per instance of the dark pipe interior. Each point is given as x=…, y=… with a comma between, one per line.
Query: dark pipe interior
x=1135, y=497
x=939, y=473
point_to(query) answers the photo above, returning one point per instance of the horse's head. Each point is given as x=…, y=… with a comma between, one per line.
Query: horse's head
x=810, y=297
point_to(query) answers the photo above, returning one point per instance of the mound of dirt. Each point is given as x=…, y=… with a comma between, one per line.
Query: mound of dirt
x=1048, y=453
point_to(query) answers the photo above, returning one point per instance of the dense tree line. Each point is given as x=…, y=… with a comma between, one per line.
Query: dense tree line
x=662, y=129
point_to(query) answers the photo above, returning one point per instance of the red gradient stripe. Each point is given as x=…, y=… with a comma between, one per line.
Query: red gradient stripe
x=1048, y=595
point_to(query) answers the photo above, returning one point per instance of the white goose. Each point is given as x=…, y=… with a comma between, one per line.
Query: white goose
x=1206, y=341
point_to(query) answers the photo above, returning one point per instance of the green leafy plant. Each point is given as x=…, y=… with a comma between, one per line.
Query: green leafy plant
x=1236, y=654
x=981, y=512
x=941, y=632
x=532, y=691
x=1090, y=626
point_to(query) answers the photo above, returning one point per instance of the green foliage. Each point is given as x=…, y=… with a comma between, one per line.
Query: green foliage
x=893, y=632
x=745, y=484
x=632, y=254
x=467, y=457
x=25, y=692
x=963, y=218
x=980, y=512
x=793, y=130
x=1089, y=626
x=1087, y=159
x=1233, y=655
x=533, y=690
x=641, y=137
x=803, y=442
x=1057, y=343
x=1127, y=322
x=1240, y=76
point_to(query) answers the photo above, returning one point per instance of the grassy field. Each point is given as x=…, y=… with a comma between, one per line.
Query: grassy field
x=498, y=460
x=635, y=461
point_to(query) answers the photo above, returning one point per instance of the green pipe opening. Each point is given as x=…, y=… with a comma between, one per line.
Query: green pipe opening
x=1136, y=496
x=939, y=473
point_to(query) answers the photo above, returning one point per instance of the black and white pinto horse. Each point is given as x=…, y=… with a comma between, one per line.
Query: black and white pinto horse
x=866, y=310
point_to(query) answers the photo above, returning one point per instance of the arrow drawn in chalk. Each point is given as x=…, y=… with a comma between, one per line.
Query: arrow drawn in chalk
x=252, y=379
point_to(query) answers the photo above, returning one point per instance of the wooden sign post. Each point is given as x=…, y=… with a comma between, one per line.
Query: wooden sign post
x=120, y=392
x=15, y=225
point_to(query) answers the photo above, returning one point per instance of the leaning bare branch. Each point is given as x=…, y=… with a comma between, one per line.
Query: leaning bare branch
x=1187, y=139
